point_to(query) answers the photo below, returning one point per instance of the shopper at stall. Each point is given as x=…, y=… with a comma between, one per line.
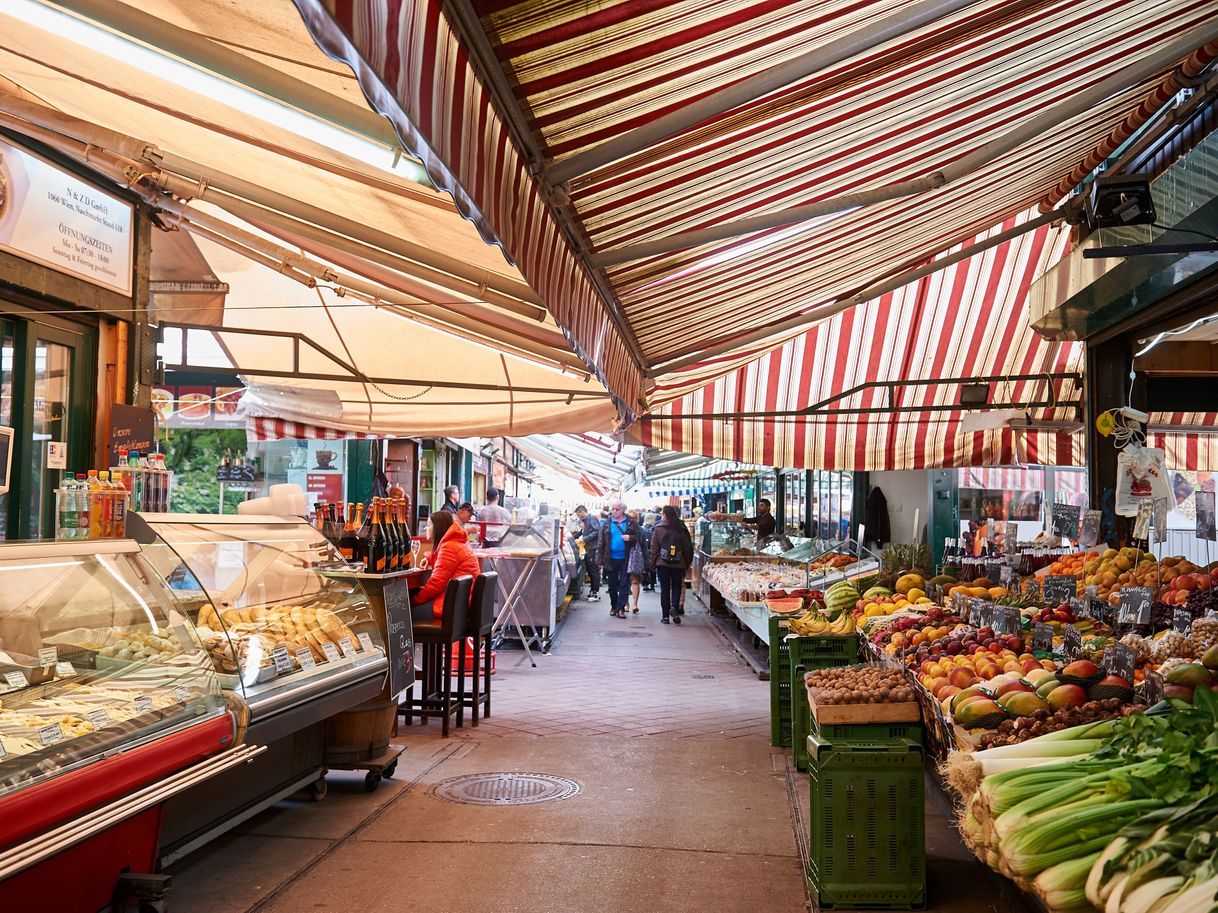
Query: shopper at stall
x=590, y=535
x=650, y=519
x=636, y=562
x=450, y=557
x=617, y=537
x=451, y=494
x=764, y=522
x=499, y=519
x=672, y=551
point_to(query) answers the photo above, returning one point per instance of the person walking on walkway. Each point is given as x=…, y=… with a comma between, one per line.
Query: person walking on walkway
x=617, y=537
x=672, y=551
x=451, y=494
x=636, y=563
x=590, y=535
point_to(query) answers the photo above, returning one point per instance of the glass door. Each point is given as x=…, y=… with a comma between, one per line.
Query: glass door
x=6, y=403
x=50, y=416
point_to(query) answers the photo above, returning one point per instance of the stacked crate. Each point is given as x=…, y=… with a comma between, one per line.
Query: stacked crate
x=806, y=654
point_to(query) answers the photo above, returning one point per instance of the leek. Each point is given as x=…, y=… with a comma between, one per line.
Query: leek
x=1059, y=834
x=1062, y=885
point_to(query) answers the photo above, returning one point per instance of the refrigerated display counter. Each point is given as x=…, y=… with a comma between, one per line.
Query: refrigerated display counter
x=291, y=641
x=109, y=708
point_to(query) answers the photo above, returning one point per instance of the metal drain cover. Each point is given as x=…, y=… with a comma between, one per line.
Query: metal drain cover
x=623, y=634
x=506, y=789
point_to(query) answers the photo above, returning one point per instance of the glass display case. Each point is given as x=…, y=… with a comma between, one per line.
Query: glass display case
x=534, y=565
x=256, y=590
x=838, y=561
x=97, y=657
x=726, y=537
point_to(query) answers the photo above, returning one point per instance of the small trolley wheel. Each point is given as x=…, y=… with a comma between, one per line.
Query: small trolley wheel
x=390, y=769
x=372, y=781
x=318, y=789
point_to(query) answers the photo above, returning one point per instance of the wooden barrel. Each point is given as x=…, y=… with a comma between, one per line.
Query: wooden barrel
x=361, y=733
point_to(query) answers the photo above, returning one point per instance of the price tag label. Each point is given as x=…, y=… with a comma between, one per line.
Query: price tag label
x=975, y=607
x=1007, y=620
x=1032, y=589
x=16, y=680
x=1065, y=520
x=1010, y=536
x=143, y=704
x=331, y=652
x=344, y=644
x=49, y=735
x=304, y=656
x=365, y=642
x=99, y=718
x=1120, y=659
x=1072, y=642
x=182, y=693
x=283, y=659
x=960, y=604
x=1080, y=608
x=993, y=571
x=1135, y=605
x=1153, y=688
x=1091, y=591
x=1010, y=579
x=3, y=750
x=1059, y=588
x=64, y=670
x=1098, y=608
x=1042, y=638
x=47, y=656
x=1181, y=620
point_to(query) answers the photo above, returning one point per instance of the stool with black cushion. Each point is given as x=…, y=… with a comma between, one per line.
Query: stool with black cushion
x=481, y=619
x=437, y=672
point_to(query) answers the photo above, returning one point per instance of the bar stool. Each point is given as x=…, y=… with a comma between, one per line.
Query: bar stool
x=480, y=621
x=437, y=672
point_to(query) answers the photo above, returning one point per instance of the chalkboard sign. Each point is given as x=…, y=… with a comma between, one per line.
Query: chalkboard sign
x=1032, y=589
x=1098, y=609
x=1205, y=514
x=400, y=637
x=1079, y=608
x=1120, y=659
x=1065, y=520
x=1009, y=578
x=1042, y=637
x=976, y=610
x=1006, y=620
x=1135, y=605
x=1059, y=588
x=1072, y=641
x=1089, y=528
x=993, y=571
x=960, y=604
x=131, y=428
x=1181, y=620
x=1152, y=690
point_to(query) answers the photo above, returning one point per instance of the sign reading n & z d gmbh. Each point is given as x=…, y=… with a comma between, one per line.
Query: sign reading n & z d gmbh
x=52, y=217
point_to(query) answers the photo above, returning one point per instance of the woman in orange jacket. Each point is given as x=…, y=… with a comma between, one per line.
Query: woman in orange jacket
x=450, y=557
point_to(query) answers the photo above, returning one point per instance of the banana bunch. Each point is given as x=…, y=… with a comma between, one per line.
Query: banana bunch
x=814, y=624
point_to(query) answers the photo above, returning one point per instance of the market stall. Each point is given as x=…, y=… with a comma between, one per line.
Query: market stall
x=111, y=710
x=295, y=645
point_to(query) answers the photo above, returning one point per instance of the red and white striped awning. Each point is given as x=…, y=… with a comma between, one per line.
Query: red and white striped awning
x=1185, y=448
x=966, y=321
x=262, y=428
x=507, y=96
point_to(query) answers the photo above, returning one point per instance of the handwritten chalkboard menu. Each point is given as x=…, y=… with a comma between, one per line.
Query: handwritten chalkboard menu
x=1072, y=641
x=1066, y=520
x=1060, y=587
x=1042, y=637
x=1005, y=620
x=993, y=571
x=399, y=639
x=1181, y=620
x=1119, y=659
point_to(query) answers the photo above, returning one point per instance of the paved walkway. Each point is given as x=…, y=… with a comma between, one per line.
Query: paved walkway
x=683, y=805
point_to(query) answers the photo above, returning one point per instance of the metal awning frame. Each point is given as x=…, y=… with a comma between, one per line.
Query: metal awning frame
x=350, y=374
x=891, y=386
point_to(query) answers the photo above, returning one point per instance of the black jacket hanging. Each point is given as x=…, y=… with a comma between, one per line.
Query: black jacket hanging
x=875, y=516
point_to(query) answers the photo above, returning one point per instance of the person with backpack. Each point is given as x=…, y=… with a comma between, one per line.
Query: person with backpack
x=672, y=551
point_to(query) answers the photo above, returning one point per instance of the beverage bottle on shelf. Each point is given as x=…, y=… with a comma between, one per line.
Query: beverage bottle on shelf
x=118, y=508
x=99, y=522
x=319, y=516
x=65, y=509
x=119, y=471
x=360, y=549
x=387, y=532
x=166, y=480
x=346, y=543
x=403, y=532
x=376, y=541
x=81, y=492
x=138, y=481
x=399, y=535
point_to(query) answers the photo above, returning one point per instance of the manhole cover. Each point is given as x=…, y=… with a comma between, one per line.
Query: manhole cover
x=506, y=789
x=623, y=634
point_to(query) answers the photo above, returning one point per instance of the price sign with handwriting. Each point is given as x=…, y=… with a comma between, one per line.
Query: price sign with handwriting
x=1135, y=605
x=365, y=641
x=65, y=670
x=1066, y=520
x=1006, y=620
x=1120, y=659
x=331, y=652
x=1181, y=620
x=1059, y=588
x=16, y=680
x=49, y=735
x=182, y=694
x=1072, y=641
x=993, y=571
x=143, y=703
x=47, y=656
x=1042, y=638
x=304, y=656
x=344, y=644
x=1097, y=608
x=99, y=718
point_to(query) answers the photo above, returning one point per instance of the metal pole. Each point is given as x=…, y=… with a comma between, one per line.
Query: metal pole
x=1069, y=212
x=821, y=58
x=1032, y=128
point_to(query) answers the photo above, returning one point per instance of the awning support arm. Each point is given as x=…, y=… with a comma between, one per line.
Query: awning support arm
x=820, y=408
x=821, y=58
x=1035, y=126
x=1071, y=212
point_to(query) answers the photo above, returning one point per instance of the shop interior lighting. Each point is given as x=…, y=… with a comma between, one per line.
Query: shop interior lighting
x=974, y=394
x=1150, y=344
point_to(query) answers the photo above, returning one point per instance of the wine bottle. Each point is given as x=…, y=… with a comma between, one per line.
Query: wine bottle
x=376, y=541
x=347, y=542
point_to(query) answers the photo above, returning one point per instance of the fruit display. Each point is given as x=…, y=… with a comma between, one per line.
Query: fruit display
x=981, y=588
x=752, y=581
x=899, y=560
x=816, y=624
x=858, y=685
x=840, y=598
x=1043, y=722
x=1181, y=580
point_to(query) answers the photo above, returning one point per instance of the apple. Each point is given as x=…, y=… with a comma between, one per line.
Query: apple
x=995, y=647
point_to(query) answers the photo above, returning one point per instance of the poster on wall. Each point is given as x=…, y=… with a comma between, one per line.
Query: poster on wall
x=1205, y=514
x=317, y=467
x=196, y=406
x=52, y=217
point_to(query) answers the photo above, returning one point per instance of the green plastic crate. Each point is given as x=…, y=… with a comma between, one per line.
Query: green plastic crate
x=814, y=651
x=849, y=733
x=867, y=848
x=780, y=683
x=801, y=713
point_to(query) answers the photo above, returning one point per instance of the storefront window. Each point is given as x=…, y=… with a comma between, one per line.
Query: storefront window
x=52, y=385
x=6, y=404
